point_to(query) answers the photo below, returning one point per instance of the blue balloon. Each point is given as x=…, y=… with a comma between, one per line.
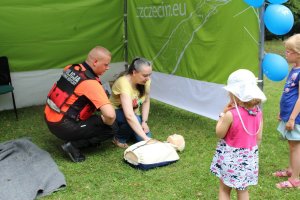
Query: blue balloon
x=275, y=67
x=255, y=3
x=277, y=1
x=278, y=19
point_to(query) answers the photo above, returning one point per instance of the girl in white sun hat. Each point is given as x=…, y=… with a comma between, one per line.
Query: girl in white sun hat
x=239, y=128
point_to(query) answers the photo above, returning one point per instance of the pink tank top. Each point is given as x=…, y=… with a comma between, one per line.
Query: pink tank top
x=236, y=136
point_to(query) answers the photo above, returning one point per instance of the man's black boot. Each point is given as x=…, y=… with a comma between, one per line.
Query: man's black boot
x=73, y=152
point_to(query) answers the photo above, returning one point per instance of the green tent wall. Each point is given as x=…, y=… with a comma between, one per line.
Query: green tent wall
x=194, y=46
x=46, y=34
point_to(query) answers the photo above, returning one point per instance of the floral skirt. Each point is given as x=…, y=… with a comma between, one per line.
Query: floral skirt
x=236, y=167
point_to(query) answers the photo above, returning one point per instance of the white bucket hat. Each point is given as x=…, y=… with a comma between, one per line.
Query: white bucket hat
x=243, y=84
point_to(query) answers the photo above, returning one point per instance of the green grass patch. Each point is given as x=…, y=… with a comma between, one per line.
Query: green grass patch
x=275, y=46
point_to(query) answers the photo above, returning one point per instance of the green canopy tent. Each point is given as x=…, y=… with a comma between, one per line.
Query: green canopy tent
x=194, y=44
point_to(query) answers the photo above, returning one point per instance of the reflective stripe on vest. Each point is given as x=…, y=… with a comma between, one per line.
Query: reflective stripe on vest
x=82, y=108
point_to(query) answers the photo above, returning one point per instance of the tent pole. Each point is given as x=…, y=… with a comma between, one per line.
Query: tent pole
x=261, y=45
x=125, y=36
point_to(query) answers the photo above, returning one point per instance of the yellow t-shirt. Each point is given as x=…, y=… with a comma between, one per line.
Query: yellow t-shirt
x=123, y=86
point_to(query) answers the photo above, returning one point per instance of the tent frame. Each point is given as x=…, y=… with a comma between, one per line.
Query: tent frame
x=261, y=46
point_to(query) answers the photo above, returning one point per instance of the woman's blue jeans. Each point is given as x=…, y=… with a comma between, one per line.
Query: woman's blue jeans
x=125, y=132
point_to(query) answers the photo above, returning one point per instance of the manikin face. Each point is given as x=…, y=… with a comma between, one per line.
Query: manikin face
x=177, y=141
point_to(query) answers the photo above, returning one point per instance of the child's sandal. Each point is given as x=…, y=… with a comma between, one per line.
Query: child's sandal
x=282, y=173
x=290, y=183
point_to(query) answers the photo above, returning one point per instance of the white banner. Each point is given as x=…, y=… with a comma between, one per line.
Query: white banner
x=203, y=98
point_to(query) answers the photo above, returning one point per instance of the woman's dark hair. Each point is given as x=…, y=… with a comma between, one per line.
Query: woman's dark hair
x=136, y=65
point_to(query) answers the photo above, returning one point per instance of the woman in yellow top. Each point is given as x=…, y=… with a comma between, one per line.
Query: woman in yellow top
x=130, y=98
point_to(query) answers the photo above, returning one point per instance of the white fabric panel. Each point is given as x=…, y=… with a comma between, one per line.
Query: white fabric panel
x=32, y=87
x=203, y=98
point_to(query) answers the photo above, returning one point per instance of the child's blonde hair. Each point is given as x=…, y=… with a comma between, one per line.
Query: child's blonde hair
x=248, y=104
x=293, y=43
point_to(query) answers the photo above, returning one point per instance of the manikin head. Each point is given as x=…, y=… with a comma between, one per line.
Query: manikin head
x=177, y=141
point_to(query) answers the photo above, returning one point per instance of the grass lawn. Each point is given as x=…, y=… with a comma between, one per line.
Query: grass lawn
x=104, y=175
